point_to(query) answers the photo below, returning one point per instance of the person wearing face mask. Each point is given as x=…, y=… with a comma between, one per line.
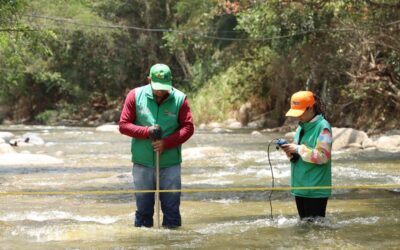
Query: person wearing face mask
x=310, y=155
x=158, y=118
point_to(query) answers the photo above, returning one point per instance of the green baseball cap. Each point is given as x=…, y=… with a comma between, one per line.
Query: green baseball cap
x=160, y=76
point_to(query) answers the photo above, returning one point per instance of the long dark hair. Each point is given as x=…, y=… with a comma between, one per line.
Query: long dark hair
x=319, y=106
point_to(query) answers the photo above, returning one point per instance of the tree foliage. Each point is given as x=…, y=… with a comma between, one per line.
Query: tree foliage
x=58, y=56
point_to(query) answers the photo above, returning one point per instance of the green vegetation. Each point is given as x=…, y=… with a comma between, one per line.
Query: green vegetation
x=69, y=60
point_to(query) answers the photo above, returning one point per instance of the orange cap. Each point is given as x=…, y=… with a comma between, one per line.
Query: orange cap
x=299, y=102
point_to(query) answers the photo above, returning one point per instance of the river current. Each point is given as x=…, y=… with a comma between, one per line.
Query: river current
x=100, y=161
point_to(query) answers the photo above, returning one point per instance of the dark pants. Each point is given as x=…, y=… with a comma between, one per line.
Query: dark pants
x=311, y=208
x=144, y=179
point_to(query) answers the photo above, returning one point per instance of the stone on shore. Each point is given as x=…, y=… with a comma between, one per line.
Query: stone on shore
x=6, y=136
x=347, y=137
x=388, y=142
x=6, y=148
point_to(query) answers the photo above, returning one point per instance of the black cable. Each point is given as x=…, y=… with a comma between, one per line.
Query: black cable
x=188, y=32
x=273, y=178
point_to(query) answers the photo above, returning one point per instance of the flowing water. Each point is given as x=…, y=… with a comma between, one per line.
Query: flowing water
x=356, y=218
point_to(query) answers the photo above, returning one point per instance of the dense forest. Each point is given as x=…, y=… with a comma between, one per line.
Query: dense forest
x=70, y=61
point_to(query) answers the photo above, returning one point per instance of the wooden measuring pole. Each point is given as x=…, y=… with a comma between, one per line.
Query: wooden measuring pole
x=157, y=194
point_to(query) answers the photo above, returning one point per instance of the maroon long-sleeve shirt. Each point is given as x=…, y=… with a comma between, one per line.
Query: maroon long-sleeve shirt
x=128, y=117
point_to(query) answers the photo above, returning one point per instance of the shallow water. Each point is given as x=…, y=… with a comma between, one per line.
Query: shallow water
x=356, y=218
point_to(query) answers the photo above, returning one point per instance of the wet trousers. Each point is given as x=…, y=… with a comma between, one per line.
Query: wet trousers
x=144, y=178
x=311, y=208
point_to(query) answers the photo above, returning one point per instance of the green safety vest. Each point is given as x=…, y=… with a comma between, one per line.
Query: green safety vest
x=149, y=113
x=306, y=174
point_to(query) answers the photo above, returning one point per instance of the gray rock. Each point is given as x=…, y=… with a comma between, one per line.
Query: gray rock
x=244, y=113
x=234, y=125
x=6, y=148
x=217, y=130
x=368, y=143
x=290, y=135
x=345, y=137
x=256, y=133
x=6, y=136
x=388, y=142
x=202, y=126
x=214, y=125
x=354, y=145
x=32, y=138
x=255, y=124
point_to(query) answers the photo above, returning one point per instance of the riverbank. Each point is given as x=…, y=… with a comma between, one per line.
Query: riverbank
x=343, y=138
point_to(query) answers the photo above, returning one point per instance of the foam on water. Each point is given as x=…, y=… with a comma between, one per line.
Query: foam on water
x=45, y=183
x=91, y=143
x=233, y=227
x=215, y=174
x=360, y=221
x=209, y=181
x=260, y=156
x=56, y=215
x=78, y=132
x=224, y=201
x=355, y=173
x=280, y=171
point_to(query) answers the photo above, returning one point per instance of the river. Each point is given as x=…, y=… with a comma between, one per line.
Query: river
x=100, y=161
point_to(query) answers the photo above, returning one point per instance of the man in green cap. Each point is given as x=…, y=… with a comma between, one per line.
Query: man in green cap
x=158, y=118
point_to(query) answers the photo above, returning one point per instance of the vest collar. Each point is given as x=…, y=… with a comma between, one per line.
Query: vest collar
x=311, y=124
x=149, y=93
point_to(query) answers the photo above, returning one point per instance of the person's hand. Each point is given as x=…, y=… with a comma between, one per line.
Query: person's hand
x=289, y=148
x=288, y=155
x=158, y=146
x=155, y=132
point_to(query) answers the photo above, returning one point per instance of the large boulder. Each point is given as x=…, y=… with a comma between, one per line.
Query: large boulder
x=388, y=142
x=6, y=148
x=244, y=113
x=28, y=139
x=351, y=138
x=214, y=125
x=32, y=138
x=344, y=138
x=348, y=137
x=233, y=124
x=6, y=136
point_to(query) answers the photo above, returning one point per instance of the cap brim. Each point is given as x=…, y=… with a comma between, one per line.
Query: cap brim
x=295, y=112
x=160, y=86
